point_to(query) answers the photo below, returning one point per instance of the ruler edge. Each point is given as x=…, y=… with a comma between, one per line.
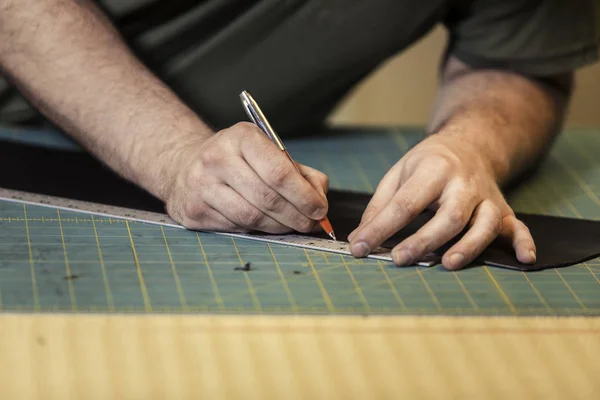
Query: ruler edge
x=173, y=224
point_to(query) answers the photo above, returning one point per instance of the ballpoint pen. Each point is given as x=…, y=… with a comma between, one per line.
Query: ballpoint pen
x=256, y=115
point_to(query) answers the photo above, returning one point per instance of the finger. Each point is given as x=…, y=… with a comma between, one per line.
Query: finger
x=384, y=192
x=486, y=226
x=316, y=178
x=432, y=178
x=242, y=179
x=278, y=171
x=517, y=232
x=448, y=222
x=238, y=210
x=408, y=202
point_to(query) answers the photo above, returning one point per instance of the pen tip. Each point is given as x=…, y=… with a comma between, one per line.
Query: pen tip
x=332, y=236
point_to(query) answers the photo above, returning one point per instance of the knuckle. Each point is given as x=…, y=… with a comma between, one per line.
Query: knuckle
x=417, y=246
x=194, y=210
x=456, y=219
x=272, y=201
x=251, y=217
x=496, y=221
x=215, y=157
x=279, y=174
x=245, y=129
x=521, y=225
x=444, y=162
x=405, y=205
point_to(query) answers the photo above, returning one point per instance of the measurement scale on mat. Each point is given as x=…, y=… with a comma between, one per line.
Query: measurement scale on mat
x=306, y=242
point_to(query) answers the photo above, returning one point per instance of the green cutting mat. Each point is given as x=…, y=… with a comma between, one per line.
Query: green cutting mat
x=64, y=261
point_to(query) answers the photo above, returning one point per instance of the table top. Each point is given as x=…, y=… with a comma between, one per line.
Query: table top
x=124, y=266
x=190, y=326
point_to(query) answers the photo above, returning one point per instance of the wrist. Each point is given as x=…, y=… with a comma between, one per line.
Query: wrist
x=155, y=164
x=487, y=151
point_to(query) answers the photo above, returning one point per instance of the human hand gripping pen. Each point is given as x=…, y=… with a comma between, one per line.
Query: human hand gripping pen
x=256, y=115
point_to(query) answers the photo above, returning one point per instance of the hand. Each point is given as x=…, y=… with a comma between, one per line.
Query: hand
x=239, y=181
x=446, y=175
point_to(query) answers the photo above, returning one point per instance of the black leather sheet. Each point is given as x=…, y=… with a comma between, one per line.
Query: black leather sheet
x=560, y=241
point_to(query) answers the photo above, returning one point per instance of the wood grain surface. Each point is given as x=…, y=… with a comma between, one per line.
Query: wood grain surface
x=303, y=357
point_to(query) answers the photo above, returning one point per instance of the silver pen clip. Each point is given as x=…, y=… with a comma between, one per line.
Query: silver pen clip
x=255, y=114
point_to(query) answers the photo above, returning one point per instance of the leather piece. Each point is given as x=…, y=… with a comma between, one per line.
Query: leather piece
x=560, y=241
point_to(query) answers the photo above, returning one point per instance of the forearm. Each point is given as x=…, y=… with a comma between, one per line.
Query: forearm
x=509, y=120
x=71, y=63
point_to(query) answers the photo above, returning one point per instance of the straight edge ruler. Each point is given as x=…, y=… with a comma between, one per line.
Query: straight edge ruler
x=305, y=242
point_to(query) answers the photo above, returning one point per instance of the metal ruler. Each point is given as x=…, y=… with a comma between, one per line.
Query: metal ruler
x=306, y=242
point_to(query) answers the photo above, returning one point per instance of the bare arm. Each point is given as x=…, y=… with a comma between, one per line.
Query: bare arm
x=72, y=64
x=69, y=61
x=487, y=128
x=509, y=119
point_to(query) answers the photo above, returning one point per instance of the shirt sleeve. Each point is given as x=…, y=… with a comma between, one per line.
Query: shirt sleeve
x=533, y=37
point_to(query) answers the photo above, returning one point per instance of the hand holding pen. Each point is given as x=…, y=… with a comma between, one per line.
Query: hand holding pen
x=237, y=180
x=256, y=115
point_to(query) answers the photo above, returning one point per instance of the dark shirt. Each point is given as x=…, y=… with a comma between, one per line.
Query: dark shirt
x=298, y=58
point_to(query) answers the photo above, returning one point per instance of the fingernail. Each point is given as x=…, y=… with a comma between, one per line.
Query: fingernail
x=403, y=257
x=456, y=259
x=532, y=254
x=360, y=249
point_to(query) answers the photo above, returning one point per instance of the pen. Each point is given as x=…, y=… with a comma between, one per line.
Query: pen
x=256, y=115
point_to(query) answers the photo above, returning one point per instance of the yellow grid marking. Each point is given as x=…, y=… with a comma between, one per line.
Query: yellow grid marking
x=109, y=297
x=327, y=169
x=465, y=291
x=385, y=162
x=211, y=276
x=44, y=220
x=399, y=139
x=288, y=292
x=591, y=272
x=499, y=288
x=356, y=286
x=36, y=298
x=583, y=152
x=550, y=184
x=255, y=300
x=67, y=266
x=537, y=292
x=180, y=292
x=570, y=289
x=389, y=281
x=233, y=295
x=428, y=288
x=138, y=267
x=362, y=175
x=580, y=182
x=395, y=278
x=576, y=212
x=324, y=293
